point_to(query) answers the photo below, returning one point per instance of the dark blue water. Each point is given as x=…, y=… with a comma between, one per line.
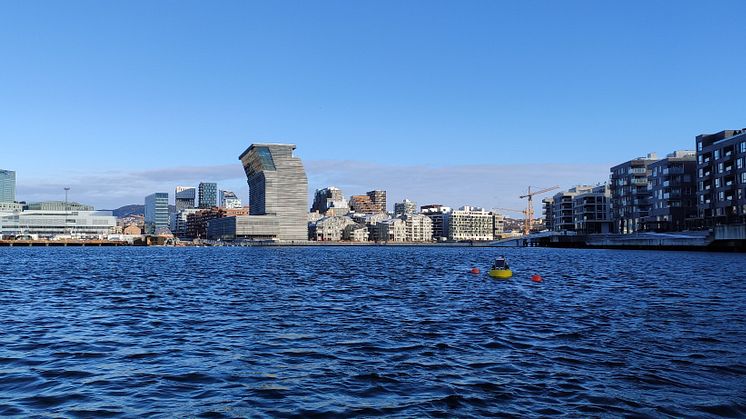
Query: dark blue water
x=235, y=332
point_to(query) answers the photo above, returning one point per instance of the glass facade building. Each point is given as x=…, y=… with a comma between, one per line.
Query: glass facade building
x=7, y=186
x=208, y=195
x=156, y=212
x=185, y=197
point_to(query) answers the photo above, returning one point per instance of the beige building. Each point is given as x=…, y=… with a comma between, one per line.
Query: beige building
x=392, y=230
x=132, y=230
x=330, y=228
x=356, y=233
x=419, y=228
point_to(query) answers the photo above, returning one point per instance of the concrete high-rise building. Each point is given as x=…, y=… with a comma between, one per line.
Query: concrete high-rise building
x=721, y=177
x=156, y=212
x=362, y=204
x=185, y=197
x=630, y=198
x=378, y=198
x=673, y=189
x=405, y=207
x=208, y=194
x=229, y=200
x=278, y=196
x=7, y=186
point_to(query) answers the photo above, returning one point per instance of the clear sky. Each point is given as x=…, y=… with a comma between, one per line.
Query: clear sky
x=457, y=102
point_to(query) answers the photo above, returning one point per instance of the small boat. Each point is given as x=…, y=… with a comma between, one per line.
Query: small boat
x=500, y=269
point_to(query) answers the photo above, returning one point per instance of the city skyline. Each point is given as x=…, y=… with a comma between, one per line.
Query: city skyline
x=437, y=92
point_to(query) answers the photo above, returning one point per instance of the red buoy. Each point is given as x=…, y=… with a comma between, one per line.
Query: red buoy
x=475, y=270
x=536, y=278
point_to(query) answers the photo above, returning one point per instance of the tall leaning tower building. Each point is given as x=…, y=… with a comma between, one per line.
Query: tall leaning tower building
x=278, y=189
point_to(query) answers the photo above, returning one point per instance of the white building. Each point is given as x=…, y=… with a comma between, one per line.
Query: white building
x=470, y=223
x=229, y=200
x=48, y=224
x=419, y=228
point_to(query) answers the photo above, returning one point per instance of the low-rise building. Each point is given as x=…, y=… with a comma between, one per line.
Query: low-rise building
x=392, y=230
x=370, y=221
x=197, y=222
x=356, y=233
x=330, y=228
x=132, y=230
x=48, y=224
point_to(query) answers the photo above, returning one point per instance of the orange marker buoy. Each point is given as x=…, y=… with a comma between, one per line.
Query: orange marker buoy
x=536, y=278
x=475, y=270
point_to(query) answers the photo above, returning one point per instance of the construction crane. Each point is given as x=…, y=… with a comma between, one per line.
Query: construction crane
x=529, y=212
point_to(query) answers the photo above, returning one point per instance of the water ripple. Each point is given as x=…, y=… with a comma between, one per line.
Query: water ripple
x=379, y=331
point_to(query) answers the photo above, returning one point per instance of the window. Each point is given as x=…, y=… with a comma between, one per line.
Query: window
x=743, y=177
x=743, y=146
x=739, y=163
x=699, y=146
x=721, y=196
x=720, y=167
x=699, y=159
x=716, y=154
x=717, y=182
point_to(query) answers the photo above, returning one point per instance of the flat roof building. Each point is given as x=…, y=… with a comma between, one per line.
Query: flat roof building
x=185, y=197
x=208, y=194
x=156, y=212
x=7, y=186
x=630, y=198
x=673, y=192
x=721, y=177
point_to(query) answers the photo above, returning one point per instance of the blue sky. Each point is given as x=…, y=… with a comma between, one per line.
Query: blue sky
x=451, y=102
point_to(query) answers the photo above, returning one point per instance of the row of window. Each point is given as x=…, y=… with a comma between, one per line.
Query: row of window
x=716, y=153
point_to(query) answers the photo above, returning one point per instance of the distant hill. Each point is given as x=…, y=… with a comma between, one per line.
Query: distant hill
x=127, y=210
x=135, y=209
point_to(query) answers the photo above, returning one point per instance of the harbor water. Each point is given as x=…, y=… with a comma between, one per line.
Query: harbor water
x=366, y=331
